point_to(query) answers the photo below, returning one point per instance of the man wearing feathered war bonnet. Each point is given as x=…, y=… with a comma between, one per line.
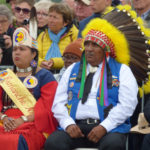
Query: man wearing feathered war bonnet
x=96, y=96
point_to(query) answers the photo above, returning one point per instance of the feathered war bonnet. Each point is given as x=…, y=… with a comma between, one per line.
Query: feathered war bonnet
x=125, y=38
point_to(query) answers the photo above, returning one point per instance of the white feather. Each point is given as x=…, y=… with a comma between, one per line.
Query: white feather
x=33, y=27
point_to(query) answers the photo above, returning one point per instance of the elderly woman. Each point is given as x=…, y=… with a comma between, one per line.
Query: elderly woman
x=25, y=106
x=42, y=8
x=60, y=33
x=22, y=11
x=6, y=32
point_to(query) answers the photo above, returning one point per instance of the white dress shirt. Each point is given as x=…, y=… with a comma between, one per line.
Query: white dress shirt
x=127, y=100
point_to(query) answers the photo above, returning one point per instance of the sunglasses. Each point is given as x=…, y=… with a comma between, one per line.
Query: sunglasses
x=24, y=10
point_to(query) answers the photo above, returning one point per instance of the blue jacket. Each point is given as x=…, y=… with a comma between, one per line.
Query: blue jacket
x=84, y=22
x=73, y=91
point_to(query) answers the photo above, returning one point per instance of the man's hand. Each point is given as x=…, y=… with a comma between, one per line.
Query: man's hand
x=96, y=133
x=74, y=131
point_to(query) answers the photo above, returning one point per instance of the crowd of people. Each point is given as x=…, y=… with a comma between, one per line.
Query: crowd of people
x=74, y=74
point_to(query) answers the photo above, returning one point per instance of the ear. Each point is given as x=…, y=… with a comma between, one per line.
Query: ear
x=65, y=23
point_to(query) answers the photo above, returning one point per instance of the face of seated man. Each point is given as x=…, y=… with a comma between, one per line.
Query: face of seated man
x=94, y=54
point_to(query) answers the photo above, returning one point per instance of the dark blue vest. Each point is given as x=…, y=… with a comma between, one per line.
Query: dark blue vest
x=74, y=87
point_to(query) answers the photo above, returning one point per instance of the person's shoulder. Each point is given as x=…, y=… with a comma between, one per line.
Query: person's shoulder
x=42, y=70
x=69, y=69
x=10, y=30
x=73, y=67
x=72, y=33
x=45, y=74
x=45, y=77
x=125, y=66
x=113, y=63
x=125, y=69
x=42, y=34
x=86, y=20
x=147, y=21
x=74, y=28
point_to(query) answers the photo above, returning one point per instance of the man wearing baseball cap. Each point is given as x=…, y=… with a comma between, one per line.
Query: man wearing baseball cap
x=98, y=7
x=82, y=9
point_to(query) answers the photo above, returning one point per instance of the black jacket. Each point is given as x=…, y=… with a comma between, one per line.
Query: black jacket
x=7, y=53
x=147, y=108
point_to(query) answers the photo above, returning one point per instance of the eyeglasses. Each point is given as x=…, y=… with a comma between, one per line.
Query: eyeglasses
x=73, y=58
x=42, y=14
x=24, y=10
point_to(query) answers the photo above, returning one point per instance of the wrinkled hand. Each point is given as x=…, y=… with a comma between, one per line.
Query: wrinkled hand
x=47, y=64
x=74, y=131
x=97, y=133
x=8, y=41
x=9, y=124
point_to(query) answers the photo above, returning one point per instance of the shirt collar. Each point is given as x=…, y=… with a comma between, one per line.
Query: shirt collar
x=99, y=66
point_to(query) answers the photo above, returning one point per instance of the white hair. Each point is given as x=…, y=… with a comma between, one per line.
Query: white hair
x=5, y=11
x=43, y=5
